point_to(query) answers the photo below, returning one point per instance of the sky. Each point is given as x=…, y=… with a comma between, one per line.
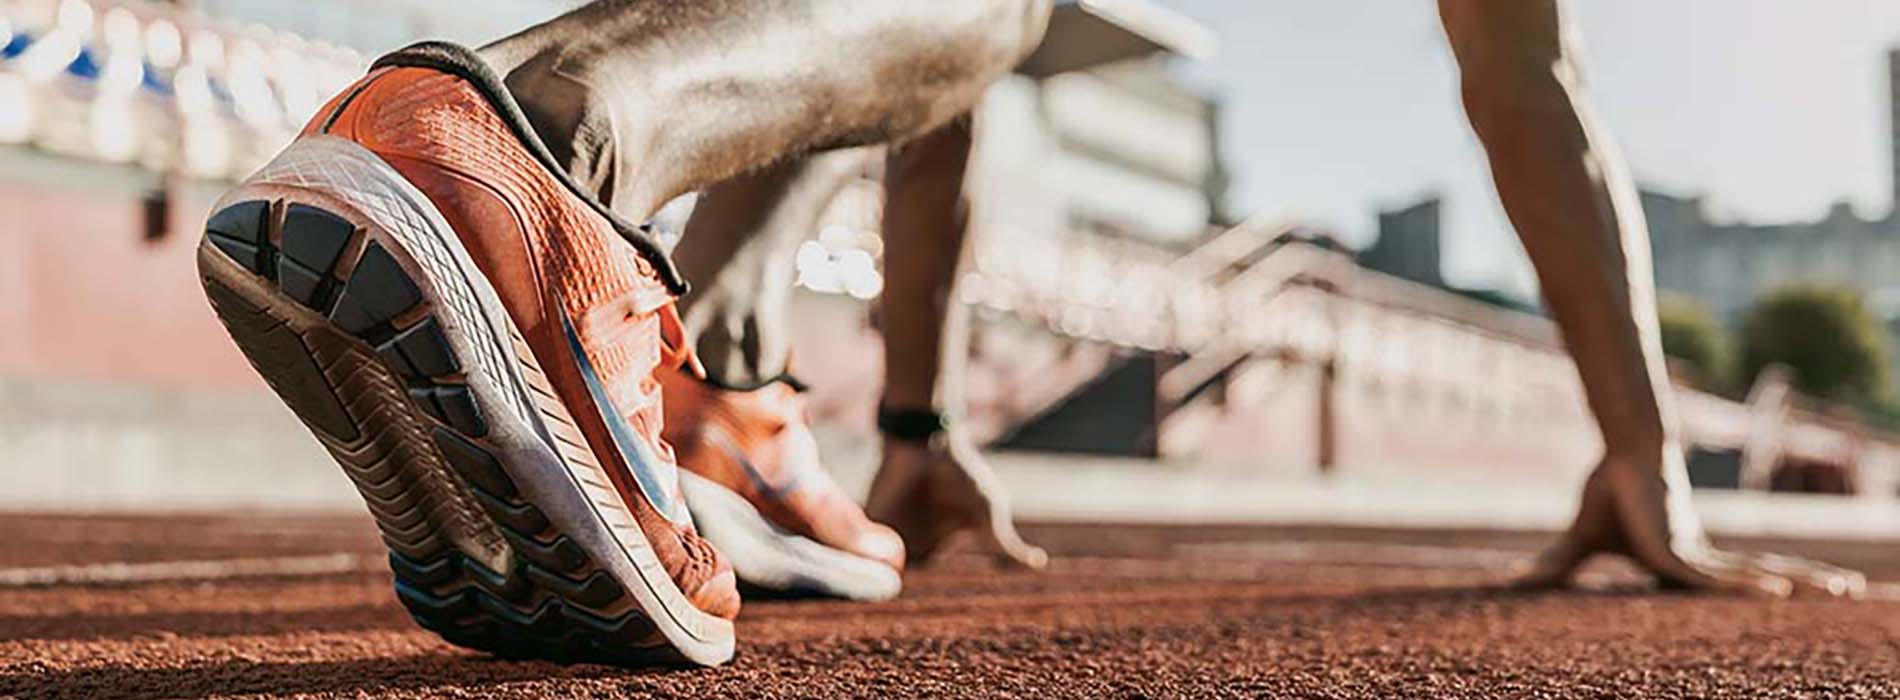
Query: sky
x=1772, y=109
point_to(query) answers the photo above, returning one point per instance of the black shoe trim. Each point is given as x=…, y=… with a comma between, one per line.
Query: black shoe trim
x=464, y=63
x=717, y=382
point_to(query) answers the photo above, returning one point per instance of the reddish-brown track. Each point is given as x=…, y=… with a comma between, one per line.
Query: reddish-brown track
x=1125, y=612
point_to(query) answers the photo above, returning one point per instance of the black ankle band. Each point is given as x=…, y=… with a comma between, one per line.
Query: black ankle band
x=464, y=63
x=917, y=425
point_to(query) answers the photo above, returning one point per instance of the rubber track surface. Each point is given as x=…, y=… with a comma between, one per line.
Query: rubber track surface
x=1125, y=612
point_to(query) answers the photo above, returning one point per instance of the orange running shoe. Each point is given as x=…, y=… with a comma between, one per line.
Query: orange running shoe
x=759, y=491
x=473, y=337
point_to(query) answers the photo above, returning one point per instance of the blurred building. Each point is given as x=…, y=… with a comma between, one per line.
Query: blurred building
x=1728, y=265
x=121, y=121
x=1116, y=310
x=1123, y=149
x=1096, y=168
x=374, y=26
x=1093, y=149
x=1409, y=244
x=1724, y=264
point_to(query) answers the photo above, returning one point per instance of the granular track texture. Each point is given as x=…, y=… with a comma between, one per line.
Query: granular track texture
x=1125, y=612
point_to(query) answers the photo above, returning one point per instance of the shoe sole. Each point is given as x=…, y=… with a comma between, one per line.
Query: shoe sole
x=350, y=294
x=776, y=560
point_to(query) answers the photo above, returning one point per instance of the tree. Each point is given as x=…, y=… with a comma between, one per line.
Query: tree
x=1825, y=335
x=1691, y=335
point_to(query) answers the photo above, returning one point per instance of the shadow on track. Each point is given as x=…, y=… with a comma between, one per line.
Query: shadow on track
x=364, y=677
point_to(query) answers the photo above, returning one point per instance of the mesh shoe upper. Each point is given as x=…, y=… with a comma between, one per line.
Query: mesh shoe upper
x=595, y=313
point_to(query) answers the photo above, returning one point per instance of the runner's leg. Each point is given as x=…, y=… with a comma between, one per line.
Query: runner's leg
x=651, y=100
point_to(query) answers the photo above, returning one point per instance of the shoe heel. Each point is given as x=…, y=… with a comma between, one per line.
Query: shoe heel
x=352, y=344
x=395, y=350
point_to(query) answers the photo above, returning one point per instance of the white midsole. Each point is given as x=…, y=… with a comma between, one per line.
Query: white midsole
x=769, y=557
x=572, y=490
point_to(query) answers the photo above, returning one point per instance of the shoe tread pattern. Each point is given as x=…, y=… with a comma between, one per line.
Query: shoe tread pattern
x=387, y=402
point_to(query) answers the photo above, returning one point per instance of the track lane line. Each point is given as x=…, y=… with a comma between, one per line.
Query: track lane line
x=199, y=570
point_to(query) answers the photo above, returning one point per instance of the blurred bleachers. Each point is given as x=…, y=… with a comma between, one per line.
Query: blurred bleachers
x=148, y=85
x=1258, y=349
